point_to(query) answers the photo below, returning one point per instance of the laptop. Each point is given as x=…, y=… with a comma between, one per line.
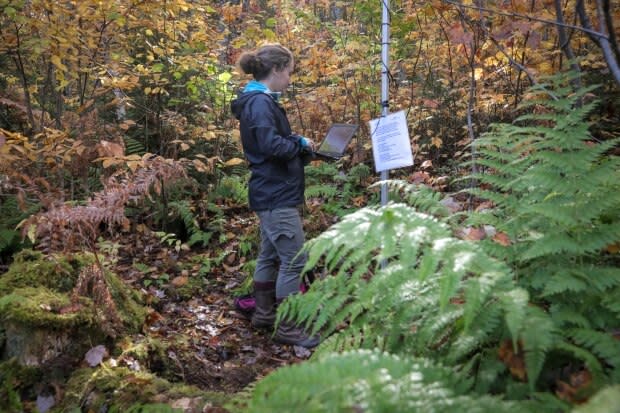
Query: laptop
x=336, y=141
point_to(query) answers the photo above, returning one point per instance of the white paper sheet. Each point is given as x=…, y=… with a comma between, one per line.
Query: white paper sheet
x=390, y=142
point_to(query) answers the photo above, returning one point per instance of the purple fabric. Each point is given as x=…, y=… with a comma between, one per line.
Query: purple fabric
x=246, y=303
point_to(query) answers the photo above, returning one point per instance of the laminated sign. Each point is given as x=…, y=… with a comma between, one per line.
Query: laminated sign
x=390, y=142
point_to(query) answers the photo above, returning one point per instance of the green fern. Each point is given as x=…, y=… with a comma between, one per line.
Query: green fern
x=605, y=401
x=400, y=276
x=183, y=210
x=233, y=188
x=372, y=381
x=336, y=188
x=422, y=197
x=10, y=217
x=321, y=190
x=557, y=195
x=401, y=284
x=134, y=146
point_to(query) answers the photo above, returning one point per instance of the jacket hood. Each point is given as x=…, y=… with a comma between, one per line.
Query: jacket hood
x=251, y=89
x=237, y=105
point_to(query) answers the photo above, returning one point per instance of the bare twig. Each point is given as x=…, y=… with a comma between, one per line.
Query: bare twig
x=565, y=44
x=588, y=30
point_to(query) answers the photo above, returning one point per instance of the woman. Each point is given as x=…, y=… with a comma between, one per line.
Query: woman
x=276, y=188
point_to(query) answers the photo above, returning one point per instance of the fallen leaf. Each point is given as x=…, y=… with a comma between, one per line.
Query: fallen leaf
x=152, y=317
x=573, y=391
x=107, y=149
x=489, y=230
x=302, y=352
x=427, y=164
x=45, y=403
x=233, y=162
x=359, y=201
x=502, y=239
x=613, y=248
x=475, y=234
x=179, y=281
x=231, y=258
x=95, y=355
x=184, y=404
x=420, y=177
x=513, y=360
x=484, y=205
x=451, y=204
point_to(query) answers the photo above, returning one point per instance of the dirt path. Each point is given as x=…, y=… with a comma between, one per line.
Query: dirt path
x=214, y=347
x=207, y=342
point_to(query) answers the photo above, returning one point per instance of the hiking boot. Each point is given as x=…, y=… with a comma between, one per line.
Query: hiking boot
x=265, y=311
x=289, y=333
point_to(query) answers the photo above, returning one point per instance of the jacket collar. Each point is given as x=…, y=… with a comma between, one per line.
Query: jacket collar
x=255, y=86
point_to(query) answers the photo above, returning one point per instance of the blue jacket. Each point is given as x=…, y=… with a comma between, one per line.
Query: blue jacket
x=275, y=155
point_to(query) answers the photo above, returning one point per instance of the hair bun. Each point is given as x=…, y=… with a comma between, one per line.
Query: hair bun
x=259, y=63
x=251, y=64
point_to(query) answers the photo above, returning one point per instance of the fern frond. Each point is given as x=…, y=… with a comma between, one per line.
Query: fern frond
x=580, y=278
x=421, y=197
x=374, y=381
x=343, y=341
x=603, y=344
x=556, y=193
x=401, y=272
x=605, y=401
x=568, y=315
x=133, y=146
x=320, y=191
x=183, y=210
x=538, y=337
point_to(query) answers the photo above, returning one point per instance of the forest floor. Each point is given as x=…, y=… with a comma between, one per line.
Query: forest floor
x=207, y=342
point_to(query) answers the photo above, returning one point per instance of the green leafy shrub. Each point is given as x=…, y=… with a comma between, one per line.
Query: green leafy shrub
x=335, y=188
x=10, y=217
x=233, y=188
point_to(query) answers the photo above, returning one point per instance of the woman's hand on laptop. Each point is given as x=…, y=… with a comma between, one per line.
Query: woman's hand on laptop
x=307, y=143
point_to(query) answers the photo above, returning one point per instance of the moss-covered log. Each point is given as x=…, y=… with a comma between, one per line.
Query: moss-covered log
x=52, y=307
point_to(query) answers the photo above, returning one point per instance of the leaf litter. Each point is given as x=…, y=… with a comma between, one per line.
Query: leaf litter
x=208, y=343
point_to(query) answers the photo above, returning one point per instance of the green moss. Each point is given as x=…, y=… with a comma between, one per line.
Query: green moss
x=128, y=303
x=16, y=380
x=41, y=307
x=152, y=353
x=31, y=269
x=194, y=286
x=121, y=389
x=35, y=290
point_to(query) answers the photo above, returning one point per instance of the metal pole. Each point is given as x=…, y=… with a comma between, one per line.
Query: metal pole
x=385, y=81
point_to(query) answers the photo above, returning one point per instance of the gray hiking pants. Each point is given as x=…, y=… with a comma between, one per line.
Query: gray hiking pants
x=282, y=237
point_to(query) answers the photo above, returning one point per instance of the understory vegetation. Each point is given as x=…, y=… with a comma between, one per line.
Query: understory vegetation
x=489, y=281
x=522, y=314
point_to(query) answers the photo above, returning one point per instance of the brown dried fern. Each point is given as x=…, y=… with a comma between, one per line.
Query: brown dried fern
x=65, y=228
x=91, y=283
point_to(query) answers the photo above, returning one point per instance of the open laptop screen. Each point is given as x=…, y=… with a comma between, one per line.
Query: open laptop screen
x=337, y=139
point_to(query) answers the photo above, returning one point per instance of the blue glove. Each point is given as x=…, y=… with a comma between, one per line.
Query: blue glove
x=305, y=143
